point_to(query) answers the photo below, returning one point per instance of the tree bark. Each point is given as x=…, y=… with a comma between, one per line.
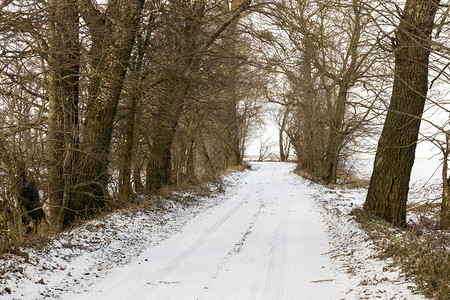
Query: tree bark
x=125, y=188
x=336, y=136
x=167, y=117
x=125, y=172
x=232, y=148
x=283, y=154
x=112, y=36
x=389, y=185
x=63, y=130
x=206, y=160
x=137, y=182
x=445, y=205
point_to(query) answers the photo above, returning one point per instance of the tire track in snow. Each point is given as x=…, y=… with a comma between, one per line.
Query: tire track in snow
x=272, y=283
x=258, y=244
x=234, y=251
x=208, y=235
x=208, y=239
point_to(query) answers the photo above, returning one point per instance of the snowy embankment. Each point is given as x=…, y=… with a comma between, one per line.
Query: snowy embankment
x=270, y=235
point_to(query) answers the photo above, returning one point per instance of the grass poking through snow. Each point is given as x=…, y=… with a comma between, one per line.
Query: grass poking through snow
x=422, y=255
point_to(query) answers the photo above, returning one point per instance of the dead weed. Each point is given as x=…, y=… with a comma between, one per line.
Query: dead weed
x=422, y=254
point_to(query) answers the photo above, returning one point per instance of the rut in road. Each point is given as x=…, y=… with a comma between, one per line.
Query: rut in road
x=264, y=242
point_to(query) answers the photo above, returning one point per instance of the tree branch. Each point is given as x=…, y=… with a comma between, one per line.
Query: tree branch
x=234, y=15
x=91, y=14
x=5, y=3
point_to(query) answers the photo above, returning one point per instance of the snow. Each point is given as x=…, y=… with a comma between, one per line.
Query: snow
x=425, y=184
x=353, y=252
x=424, y=169
x=270, y=235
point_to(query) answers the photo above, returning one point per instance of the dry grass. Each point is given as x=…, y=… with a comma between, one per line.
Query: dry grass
x=37, y=238
x=185, y=192
x=428, y=214
x=351, y=181
x=422, y=254
x=346, y=180
x=238, y=168
x=307, y=175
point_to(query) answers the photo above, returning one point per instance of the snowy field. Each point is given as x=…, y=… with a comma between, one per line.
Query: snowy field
x=270, y=235
x=424, y=169
x=425, y=184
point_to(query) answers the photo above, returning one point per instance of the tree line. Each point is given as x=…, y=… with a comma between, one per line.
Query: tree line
x=347, y=69
x=101, y=100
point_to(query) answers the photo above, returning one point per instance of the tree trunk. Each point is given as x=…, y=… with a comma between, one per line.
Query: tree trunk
x=232, y=148
x=305, y=145
x=125, y=172
x=335, y=136
x=388, y=189
x=167, y=117
x=112, y=40
x=280, y=143
x=137, y=182
x=134, y=96
x=445, y=205
x=206, y=160
x=63, y=130
x=187, y=171
x=283, y=154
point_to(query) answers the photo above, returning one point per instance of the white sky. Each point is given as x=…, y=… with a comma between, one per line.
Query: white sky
x=425, y=149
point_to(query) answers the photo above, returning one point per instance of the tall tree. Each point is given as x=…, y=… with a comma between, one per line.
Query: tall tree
x=232, y=150
x=348, y=77
x=63, y=93
x=322, y=72
x=283, y=143
x=445, y=205
x=389, y=184
x=112, y=34
x=134, y=97
x=190, y=50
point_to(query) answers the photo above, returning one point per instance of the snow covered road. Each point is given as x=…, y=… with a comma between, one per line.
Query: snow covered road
x=264, y=242
x=270, y=235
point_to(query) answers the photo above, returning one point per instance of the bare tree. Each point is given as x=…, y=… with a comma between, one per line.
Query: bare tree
x=192, y=40
x=134, y=95
x=283, y=141
x=265, y=148
x=389, y=184
x=322, y=72
x=23, y=112
x=445, y=205
x=64, y=54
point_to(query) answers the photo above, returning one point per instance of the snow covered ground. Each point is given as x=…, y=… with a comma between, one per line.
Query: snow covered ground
x=425, y=183
x=270, y=235
x=424, y=169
